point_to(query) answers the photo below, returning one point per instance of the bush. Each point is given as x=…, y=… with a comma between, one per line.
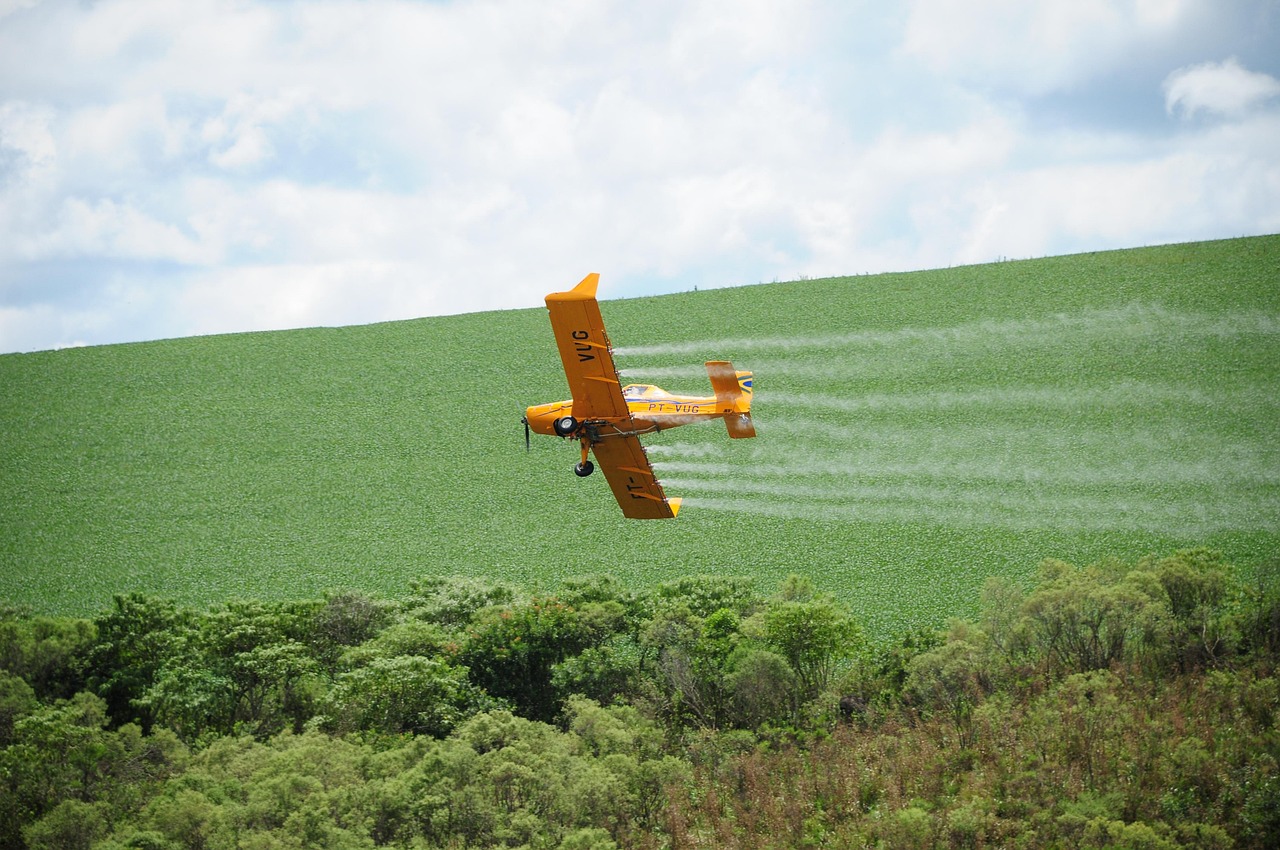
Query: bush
x=407, y=693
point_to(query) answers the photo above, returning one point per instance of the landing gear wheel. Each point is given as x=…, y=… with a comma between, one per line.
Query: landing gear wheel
x=582, y=470
x=564, y=426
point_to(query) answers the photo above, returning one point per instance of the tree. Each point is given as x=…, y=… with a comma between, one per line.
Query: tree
x=1202, y=630
x=243, y=663
x=603, y=673
x=451, y=601
x=761, y=688
x=406, y=637
x=347, y=618
x=44, y=651
x=16, y=699
x=693, y=662
x=407, y=693
x=134, y=640
x=1258, y=615
x=1087, y=619
x=813, y=636
x=71, y=825
x=703, y=595
x=56, y=752
x=192, y=699
x=953, y=678
x=512, y=652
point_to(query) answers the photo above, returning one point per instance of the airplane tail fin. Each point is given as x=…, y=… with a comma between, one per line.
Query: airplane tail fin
x=733, y=397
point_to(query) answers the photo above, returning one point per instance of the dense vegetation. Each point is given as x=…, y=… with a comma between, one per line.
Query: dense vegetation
x=917, y=433
x=1112, y=705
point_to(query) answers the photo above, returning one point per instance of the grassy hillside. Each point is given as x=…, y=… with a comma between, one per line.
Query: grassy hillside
x=917, y=433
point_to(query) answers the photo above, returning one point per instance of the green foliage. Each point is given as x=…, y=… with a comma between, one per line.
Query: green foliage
x=44, y=651
x=134, y=637
x=512, y=652
x=1116, y=704
x=603, y=673
x=62, y=769
x=813, y=636
x=453, y=600
x=1091, y=618
x=71, y=825
x=242, y=666
x=405, y=693
x=349, y=618
x=762, y=688
x=1259, y=614
x=952, y=678
x=17, y=698
x=723, y=670
x=405, y=637
x=703, y=595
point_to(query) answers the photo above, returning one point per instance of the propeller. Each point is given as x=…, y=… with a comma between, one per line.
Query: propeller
x=525, y=420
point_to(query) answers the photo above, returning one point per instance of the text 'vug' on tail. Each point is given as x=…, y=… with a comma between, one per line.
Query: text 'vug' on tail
x=733, y=397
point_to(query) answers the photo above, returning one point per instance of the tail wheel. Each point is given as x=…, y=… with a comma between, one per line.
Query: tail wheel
x=564, y=426
x=583, y=469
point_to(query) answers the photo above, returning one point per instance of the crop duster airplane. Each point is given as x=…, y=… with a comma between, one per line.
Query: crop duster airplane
x=607, y=418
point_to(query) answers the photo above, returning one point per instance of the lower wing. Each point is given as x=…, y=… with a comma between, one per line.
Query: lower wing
x=626, y=467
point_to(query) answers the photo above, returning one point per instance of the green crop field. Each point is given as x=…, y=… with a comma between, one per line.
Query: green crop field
x=918, y=432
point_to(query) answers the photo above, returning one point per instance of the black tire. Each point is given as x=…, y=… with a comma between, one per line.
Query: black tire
x=582, y=470
x=564, y=426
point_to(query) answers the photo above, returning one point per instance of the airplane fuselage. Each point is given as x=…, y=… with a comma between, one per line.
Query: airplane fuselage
x=651, y=409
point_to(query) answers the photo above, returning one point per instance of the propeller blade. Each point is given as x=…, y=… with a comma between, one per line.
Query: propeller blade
x=526, y=433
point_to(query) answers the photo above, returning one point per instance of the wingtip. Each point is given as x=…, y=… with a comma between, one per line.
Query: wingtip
x=584, y=291
x=675, y=506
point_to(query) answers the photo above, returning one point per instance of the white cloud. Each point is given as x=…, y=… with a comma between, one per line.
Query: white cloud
x=115, y=144
x=8, y=7
x=1219, y=182
x=111, y=230
x=264, y=164
x=273, y=297
x=1037, y=47
x=27, y=131
x=1224, y=88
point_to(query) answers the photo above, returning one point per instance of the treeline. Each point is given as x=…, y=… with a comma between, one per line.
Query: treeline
x=1113, y=705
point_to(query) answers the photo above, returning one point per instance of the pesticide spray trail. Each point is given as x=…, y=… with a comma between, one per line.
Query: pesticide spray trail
x=1218, y=477
x=965, y=427
x=1047, y=456
x=1091, y=518
x=1126, y=394
x=960, y=485
x=973, y=503
x=1133, y=320
x=913, y=353
x=683, y=450
x=653, y=373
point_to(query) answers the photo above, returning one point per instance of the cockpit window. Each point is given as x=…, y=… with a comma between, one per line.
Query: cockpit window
x=644, y=391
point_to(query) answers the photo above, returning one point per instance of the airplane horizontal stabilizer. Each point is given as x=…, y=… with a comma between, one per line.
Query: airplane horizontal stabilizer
x=739, y=425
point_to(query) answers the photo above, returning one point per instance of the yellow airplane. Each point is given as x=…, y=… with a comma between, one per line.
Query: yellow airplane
x=607, y=418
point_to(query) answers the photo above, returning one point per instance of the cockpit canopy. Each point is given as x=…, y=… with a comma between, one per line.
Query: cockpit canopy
x=642, y=391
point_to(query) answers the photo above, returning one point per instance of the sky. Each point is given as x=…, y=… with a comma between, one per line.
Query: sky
x=170, y=169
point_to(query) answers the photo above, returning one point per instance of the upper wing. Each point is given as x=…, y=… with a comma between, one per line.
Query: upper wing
x=584, y=350
x=597, y=394
x=626, y=466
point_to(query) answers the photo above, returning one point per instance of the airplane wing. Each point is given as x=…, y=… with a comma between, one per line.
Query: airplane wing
x=630, y=476
x=585, y=352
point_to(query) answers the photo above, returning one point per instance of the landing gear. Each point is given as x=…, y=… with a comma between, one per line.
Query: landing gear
x=584, y=467
x=564, y=426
